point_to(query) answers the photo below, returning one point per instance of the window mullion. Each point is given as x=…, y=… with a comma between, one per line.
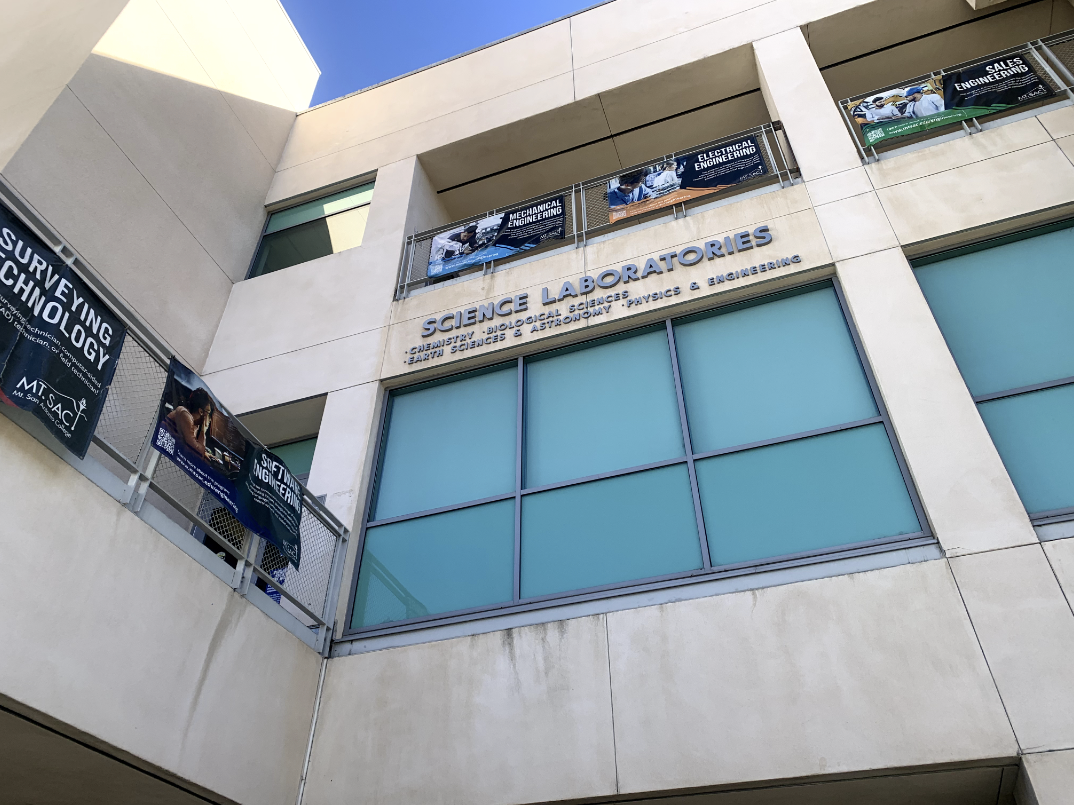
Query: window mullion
x=519, y=444
x=698, y=515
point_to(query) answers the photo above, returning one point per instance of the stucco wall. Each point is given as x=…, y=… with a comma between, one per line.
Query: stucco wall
x=113, y=631
x=154, y=160
x=864, y=672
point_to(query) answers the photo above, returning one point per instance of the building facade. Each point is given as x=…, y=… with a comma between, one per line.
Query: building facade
x=683, y=395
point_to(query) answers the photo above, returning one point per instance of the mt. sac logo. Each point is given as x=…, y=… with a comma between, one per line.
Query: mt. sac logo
x=63, y=410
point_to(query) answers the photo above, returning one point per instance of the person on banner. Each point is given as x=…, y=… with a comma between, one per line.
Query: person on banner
x=191, y=423
x=462, y=243
x=664, y=180
x=631, y=188
x=920, y=105
x=881, y=111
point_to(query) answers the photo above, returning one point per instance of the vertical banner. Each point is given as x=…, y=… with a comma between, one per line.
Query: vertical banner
x=199, y=436
x=59, y=344
x=684, y=177
x=498, y=236
x=973, y=92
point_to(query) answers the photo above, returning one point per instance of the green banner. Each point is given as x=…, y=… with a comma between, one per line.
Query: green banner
x=876, y=132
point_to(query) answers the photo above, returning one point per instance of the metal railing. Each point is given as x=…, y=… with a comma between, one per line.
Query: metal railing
x=121, y=444
x=1051, y=57
x=586, y=209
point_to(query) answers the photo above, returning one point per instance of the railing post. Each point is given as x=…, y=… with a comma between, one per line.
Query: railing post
x=771, y=158
x=853, y=129
x=140, y=481
x=1045, y=64
x=574, y=215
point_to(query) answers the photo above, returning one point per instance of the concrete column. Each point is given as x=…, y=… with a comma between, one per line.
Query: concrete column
x=796, y=94
x=1046, y=779
x=1026, y=630
x=964, y=487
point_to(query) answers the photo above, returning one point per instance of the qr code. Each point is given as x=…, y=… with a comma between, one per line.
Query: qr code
x=166, y=441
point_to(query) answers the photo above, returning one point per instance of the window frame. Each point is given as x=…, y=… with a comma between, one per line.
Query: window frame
x=707, y=572
x=1037, y=518
x=294, y=204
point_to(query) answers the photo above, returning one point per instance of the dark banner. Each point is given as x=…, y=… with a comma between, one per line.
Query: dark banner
x=200, y=436
x=684, y=177
x=497, y=236
x=975, y=91
x=59, y=344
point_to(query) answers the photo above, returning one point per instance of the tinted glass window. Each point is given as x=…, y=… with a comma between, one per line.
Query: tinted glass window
x=449, y=443
x=1007, y=314
x=601, y=408
x=766, y=371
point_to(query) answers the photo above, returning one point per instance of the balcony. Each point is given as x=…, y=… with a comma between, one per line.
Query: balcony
x=471, y=246
x=963, y=99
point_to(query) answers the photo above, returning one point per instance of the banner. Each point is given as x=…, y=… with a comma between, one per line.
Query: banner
x=684, y=177
x=59, y=344
x=497, y=236
x=972, y=92
x=200, y=437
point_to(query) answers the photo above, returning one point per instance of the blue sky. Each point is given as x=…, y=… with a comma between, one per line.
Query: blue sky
x=357, y=43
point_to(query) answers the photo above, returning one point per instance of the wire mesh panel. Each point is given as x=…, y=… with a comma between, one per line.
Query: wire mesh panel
x=586, y=209
x=598, y=212
x=1042, y=56
x=1061, y=47
x=212, y=512
x=414, y=270
x=310, y=583
x=131, y=406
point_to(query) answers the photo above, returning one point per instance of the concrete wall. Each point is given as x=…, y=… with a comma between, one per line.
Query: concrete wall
x=859, y=673
x=744, y=688
x=117, y=637
x=154, y=160
x=946, y=670
x=44, y=45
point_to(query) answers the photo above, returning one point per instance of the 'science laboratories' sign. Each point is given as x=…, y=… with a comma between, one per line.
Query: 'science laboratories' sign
x=589, y=297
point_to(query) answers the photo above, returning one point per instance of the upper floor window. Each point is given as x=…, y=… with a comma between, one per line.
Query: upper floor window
x=1007, y=314
x=313, y=229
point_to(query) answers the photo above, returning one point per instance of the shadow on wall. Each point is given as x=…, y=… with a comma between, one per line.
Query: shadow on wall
x=159, y=183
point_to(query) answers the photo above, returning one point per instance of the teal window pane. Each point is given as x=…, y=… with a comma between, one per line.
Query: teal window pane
x=298, y=456
x=1007, y=313
x=319, y=208
x=293, y=246
x=1034, y=433
x=770, y=370
x=608, y=407
x=639, y=525
x=448, y=444
x=825, y=491
x=441, y=563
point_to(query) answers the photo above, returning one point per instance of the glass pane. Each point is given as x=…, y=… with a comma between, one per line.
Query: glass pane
x=770, y=370
x=298, y=456
x=1007, y=313
x=294, y=246
x=825, y=491
x=620, y=529
x=578, y=404
x=346, y=229
x=319, y=208
x=1034, y=433
x=440, y=563
x=450, y=443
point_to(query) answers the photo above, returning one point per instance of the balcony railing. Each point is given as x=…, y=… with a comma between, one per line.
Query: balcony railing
x=122, y=461
x=587, y=213
x=1051, y=58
